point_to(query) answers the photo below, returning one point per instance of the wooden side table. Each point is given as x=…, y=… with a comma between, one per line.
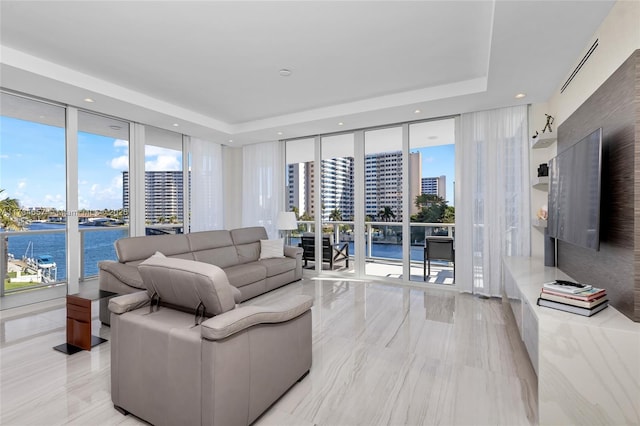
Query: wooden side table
x=79, y=321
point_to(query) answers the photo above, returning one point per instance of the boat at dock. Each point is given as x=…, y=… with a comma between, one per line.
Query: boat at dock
x=30, y=269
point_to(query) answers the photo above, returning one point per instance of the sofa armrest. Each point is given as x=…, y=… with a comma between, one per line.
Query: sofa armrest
x=231, y=322
x=126, y=273
x=128, y=302
x=294, y=252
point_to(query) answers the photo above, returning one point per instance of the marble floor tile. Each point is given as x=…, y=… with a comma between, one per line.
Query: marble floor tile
x=382, y=355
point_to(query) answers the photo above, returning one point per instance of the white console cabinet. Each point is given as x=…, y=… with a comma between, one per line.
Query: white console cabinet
x=588, y=367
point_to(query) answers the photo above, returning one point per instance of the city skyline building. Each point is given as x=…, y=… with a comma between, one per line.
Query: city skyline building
x=435, y=185
x=383, y=185
x=163, y=195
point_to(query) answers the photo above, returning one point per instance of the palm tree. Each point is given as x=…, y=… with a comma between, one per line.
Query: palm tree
x=386, y=214
x=335, y=215
x=10, y=214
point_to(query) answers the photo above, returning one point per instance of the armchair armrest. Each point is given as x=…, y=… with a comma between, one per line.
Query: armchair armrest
x=231, y=322
x=294, y=252
x=128, y=302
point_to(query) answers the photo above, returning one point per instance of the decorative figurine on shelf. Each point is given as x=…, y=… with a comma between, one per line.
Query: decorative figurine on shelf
x=543, y=213
x=543, y=170
x=535, y=136
x=549, y=123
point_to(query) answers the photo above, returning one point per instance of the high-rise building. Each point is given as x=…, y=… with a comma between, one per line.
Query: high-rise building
x=435, y=185
x=383, y=185
x=337, y=187
x=163, y=195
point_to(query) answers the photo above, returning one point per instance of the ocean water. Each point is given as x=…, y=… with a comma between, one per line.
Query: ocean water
x=386, y=251
x=98, y=245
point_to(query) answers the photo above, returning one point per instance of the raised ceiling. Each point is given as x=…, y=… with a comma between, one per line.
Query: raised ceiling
x=213, y=67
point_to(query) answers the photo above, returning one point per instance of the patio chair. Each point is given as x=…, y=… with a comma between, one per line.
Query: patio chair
x=331, y=252
x=438, y=248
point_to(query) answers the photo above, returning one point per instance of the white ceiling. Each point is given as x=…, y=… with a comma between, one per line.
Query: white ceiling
x=213, y=67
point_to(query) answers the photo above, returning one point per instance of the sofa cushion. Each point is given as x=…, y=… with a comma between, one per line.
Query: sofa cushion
x=214, y=247
x=247, y=242
x=128, y=274
x=140, y=248
x=277, y=266
x=252, y=234
x=241, y=275
x=271, y=248
x=187, y=283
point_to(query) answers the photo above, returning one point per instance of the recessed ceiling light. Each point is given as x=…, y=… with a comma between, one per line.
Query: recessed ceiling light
x=285, y=72
x=432, y=137
x=176, y=125
x=417, y=111
x=230, y=140
x=279, y=133
x=114, y=127
x=341, y=124
x=520, y=95
x=89, y=100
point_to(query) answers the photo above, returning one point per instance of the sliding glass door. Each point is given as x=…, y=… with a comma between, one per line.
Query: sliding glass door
x=33, y=199
x=383, y=203
x=103, y=214
x=386, y=191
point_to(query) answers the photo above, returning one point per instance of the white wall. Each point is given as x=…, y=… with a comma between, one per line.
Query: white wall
x=537, y=121
x=232, y=172
x=618, y=36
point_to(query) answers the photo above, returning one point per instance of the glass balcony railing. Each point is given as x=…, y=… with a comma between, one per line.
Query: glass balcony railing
x=383, y=245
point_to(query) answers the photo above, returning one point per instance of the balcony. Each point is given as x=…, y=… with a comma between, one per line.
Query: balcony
x=383, y=249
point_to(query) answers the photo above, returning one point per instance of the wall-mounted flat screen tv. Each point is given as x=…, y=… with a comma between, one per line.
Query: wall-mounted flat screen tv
x=574, y=193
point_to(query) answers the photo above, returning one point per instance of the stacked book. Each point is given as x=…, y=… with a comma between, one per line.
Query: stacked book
x=581, y=299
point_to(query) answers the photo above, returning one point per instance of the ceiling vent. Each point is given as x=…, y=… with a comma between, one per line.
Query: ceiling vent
x=580, y=65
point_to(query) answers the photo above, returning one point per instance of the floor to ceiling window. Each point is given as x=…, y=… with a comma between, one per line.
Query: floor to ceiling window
x=66, y=193
x=33, y=252
x=300, y=190
x=383, y=201
x=432, y=229
x=103, y=160
x=403, y=198
x=337, y=202
x=164, y=182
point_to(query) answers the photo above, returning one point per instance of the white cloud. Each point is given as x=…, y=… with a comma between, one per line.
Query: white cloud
x=100, y=196
x=119, y=143
x=56, y=201
x=428, y=160
x=162, y=163
x=22, y=185
x=4, y=156
x=120, y=163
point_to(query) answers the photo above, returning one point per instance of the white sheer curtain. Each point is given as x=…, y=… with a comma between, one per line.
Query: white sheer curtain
x=262, y=185
x=207, y=210
x=493, y=215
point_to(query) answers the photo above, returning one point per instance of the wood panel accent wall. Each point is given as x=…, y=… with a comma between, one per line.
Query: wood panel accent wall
x=614, y=106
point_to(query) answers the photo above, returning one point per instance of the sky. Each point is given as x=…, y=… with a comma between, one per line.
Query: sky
x=437, y=161
x=32, y=161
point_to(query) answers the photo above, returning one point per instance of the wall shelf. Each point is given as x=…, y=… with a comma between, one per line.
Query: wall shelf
x=543, y=140
x=541, y=182
x=539, y=223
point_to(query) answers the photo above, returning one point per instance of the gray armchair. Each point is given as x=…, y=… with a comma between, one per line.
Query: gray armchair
x=182, y=352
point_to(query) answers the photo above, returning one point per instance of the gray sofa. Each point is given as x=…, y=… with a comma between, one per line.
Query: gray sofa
x=171, y=367
x=237, y=252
